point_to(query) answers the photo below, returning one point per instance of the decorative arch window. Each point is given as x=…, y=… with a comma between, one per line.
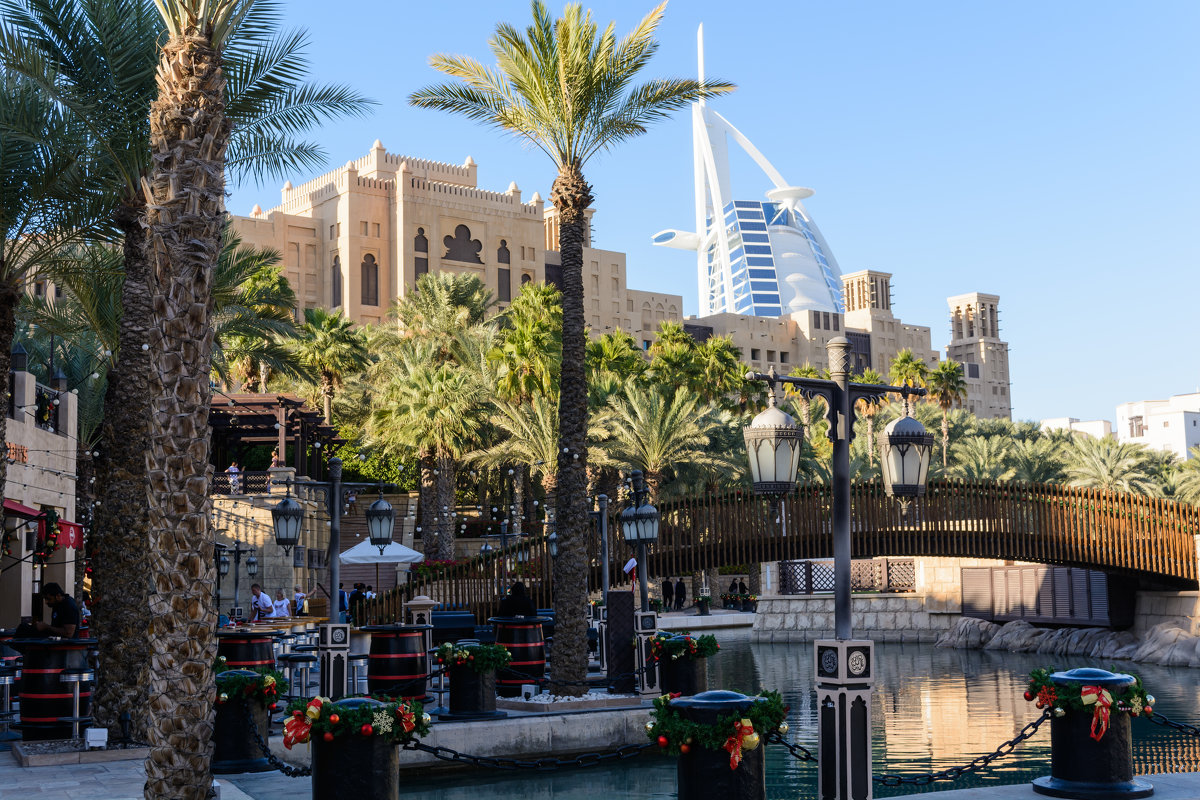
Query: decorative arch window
x=421, y=248
x=461, y=247
x=335, y=281
x=526, y=278
x=502, y=254
x=503, y=274
x=370, y=281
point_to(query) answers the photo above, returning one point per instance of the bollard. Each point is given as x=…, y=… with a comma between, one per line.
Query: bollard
x=685, y=676
x=702, y=773
x=1081, y=767
x=358, y=767
x=234, y=747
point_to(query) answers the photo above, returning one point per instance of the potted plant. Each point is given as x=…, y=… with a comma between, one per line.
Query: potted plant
x=749, y=602
x=244, y=697
x=683, y=661
x=704, y=603
x=355, y=743
x=472, y=670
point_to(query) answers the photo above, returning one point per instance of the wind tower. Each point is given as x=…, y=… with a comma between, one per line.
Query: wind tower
x=759, y=258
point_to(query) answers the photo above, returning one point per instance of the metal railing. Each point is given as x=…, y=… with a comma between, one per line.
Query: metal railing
x=866, y=575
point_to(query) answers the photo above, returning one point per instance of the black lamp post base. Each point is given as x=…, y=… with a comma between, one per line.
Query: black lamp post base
x=1081, y=790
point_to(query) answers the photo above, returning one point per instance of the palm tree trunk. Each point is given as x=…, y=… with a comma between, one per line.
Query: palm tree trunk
x=10, y=296
x=571, y=195
x=871, y=438
x=445, y=506
x=945, y=435
x=83, y=503
x=653, y=484
x=427, y=504
x=188, y=136
x=327, y=397
x=518, y=500
x=121, y=523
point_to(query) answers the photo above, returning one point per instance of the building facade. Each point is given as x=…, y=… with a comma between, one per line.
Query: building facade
x=976, y=344
x=1096, y=428
x=1172, y=425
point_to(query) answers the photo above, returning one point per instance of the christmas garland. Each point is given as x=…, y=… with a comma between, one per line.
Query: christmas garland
x=265, y=686
x=733, y=732
x=1094, y=700
x=483, y=658
x=668, y=647
x=46, y=546
x=396, y=722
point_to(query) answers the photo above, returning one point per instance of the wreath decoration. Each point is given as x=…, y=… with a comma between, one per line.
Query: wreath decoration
x=397, y=722
x=1095, y=700
x=264, y=687
x=669, y=647
x=482, y=658
x=734, y=732
x=48, y=544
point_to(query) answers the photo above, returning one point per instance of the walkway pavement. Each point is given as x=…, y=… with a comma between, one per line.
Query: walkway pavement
x=122, y=780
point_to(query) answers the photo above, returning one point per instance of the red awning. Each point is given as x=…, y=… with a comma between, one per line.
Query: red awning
x=14, y=509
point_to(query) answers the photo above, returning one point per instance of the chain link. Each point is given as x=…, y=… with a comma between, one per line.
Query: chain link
x=1159, y=719
x=538, y=765
x=291, y=772
x=798, y=751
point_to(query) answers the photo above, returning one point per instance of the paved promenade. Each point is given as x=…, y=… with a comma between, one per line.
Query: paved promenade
x=122, y=780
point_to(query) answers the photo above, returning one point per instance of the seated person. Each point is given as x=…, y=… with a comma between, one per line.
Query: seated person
x=64, y=613
x=517, y=603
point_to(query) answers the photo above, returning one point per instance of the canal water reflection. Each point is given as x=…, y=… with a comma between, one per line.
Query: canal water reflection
x=933, y=708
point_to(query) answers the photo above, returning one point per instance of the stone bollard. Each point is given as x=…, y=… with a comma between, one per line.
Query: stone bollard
x=234, y=746
x=1080, y=766
x=703, y=773
x=358, y=767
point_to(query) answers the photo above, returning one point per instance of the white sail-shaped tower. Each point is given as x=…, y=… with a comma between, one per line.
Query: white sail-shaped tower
x=762, y=258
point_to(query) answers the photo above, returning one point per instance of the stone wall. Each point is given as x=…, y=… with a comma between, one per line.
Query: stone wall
x=881, y=617
x=1180, y=609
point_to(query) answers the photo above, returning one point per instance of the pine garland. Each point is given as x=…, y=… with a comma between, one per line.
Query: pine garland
x=668, y=722
x=482, y=658
x=265, y=686
x=319, y=717
x=1045, y=693
x=669, y=647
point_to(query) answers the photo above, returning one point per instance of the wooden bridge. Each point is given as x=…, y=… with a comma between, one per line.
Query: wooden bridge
x=1147, y=539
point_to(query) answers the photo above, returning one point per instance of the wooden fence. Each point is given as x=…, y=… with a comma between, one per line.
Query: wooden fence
x=1123, y=534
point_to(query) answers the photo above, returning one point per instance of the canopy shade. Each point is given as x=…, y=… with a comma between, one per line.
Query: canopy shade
x=367, y=553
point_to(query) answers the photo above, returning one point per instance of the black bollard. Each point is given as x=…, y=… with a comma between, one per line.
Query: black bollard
x=358, y=767
x=1081, y=767
x=234, y=746
x=703, y=774
x=686, y=676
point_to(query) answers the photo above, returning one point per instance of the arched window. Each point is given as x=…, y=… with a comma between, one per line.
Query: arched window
x=370, y=281
x=461, y=247
x=421, y=248
x=503, y=274
x=526, y=278
x=502, y=255
x=335, y=282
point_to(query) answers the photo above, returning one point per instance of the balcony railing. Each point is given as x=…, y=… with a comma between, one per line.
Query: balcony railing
x=866, y=575
x=241, y=483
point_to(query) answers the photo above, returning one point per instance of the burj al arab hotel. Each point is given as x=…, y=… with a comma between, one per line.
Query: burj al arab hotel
x=761, y=258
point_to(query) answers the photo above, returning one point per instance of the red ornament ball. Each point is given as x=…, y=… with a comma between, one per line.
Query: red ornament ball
x=663, y=741
x=1029, y=695
x=334, y=719
x=367, y=730
x=328, y=736
x=683, y=748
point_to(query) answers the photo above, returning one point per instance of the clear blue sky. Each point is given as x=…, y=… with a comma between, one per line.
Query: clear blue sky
x=1043, y=151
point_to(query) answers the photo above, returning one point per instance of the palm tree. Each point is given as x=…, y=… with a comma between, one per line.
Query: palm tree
x=802, y=403
x=568, y=92
x=948, y=388
x=441, y=306
x=657, y=429
x=614, y=354
x=1109, y=465
x=868, y=411
x=331, y=348
x=1187, y=484
x=982, y=458
x=1036, y=461
x=908, y=370
x=530, y=354
x=97, y=61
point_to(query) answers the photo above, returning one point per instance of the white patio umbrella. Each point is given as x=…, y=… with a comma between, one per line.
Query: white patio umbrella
x=367, y=553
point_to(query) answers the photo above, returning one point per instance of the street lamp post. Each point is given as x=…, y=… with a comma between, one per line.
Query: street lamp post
x=639, y=524
x=223, y=567
x=844, y=667
x=601, y=516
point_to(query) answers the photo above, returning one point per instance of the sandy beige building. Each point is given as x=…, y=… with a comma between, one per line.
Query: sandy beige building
x=357, y=238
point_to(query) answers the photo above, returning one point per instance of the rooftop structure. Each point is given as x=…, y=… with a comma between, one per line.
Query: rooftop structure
x=1172, y=424
x=763, y=259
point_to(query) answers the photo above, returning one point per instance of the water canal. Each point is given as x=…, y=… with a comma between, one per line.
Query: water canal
x=933, y=708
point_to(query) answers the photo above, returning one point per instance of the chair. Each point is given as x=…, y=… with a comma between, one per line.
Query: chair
x=358, y=671
x=75, y=677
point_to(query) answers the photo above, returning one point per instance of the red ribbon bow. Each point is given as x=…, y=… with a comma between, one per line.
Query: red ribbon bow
x=407, y=719
x=734, y=743
x=1099, y=697
x=296, y=730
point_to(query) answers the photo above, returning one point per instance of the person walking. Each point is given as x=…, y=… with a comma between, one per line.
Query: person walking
x=680, y=594
x=668, y=594
x=261, y=604
x=298, y=598
x=742, y=587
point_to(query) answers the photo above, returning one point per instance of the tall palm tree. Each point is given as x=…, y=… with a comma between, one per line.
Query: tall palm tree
x=567, y=89
x=908, y=370
x=656, y=429
x=868, y=411
x=948, y=388
x=441, y=306
x=614, y=354
x=97, y=60
x=982, y=458
x=1110, y=465
x=1036, y=461
x=331, y=347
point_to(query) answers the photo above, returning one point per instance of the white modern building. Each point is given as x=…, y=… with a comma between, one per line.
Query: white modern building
x=1096, y=428
x=753, y=257
x=1172, y=424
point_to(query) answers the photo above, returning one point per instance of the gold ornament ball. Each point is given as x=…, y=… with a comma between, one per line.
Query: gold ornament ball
x=426, y=719
x=1150, y=700
x=783, y=729
x=649, y=727
x=1060, y=712
x=224, y=697
x=750, y=742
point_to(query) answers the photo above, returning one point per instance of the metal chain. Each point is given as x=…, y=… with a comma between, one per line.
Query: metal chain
x=798, y=751
x=1159, y=719
x=539, y=765
x=291, y=772
x=953, y=773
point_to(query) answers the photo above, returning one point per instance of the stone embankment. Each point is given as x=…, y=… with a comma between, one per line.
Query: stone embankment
x=1166, y=643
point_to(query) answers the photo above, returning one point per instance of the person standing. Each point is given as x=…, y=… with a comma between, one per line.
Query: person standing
x=235, y=478
x=357, y=598
x=261, y=604
x=298, y=598
x=680, y=594
x=64, y=613
x=343, y=602
x=668, y=594
x=351, y=502
x=517, y=603
x=742, y=587
x=280, y=605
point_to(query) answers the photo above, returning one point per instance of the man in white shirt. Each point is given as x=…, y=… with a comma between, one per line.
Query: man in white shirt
x=261, y=604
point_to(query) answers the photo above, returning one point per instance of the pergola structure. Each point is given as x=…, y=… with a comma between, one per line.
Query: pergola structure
x=241, y=421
